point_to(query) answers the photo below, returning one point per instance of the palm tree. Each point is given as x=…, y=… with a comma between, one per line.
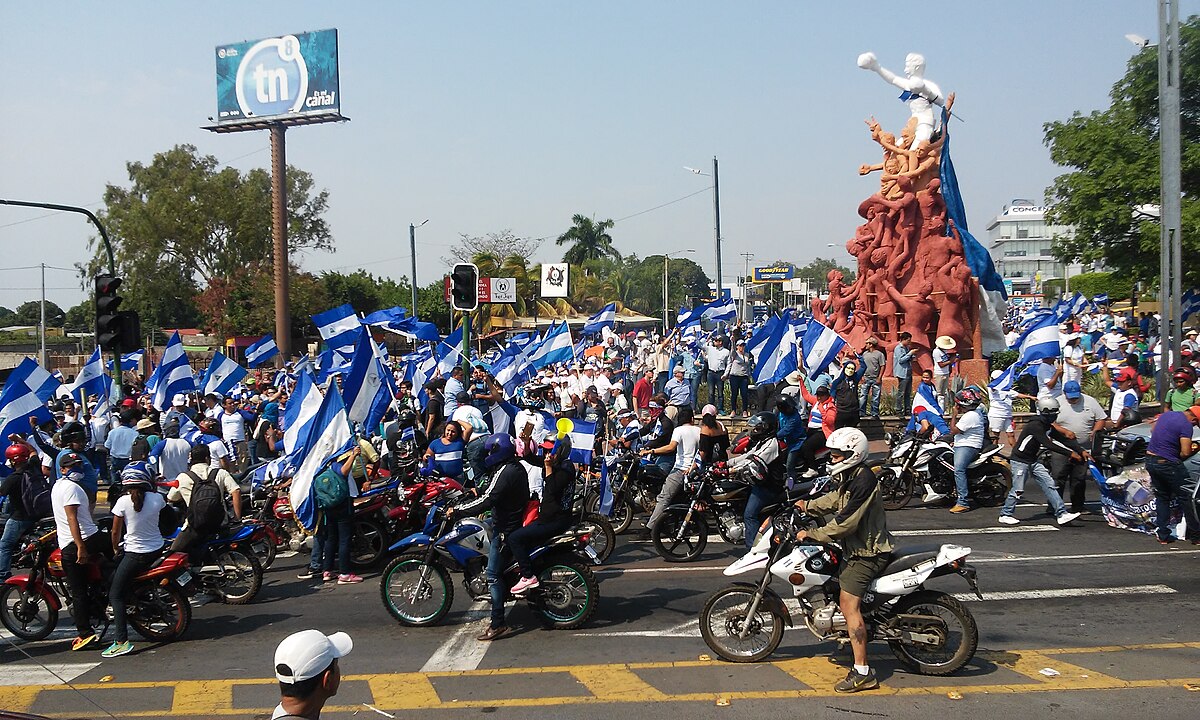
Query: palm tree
x=589, y=240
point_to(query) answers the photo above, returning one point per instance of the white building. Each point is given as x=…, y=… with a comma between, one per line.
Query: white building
x=1019, y=241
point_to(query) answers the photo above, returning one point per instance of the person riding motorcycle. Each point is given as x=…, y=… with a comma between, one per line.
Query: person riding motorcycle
x=858, y=522
x=405, y=429
x=763, y=466
x=506, y=496
x=657, y=433
x=135, y=520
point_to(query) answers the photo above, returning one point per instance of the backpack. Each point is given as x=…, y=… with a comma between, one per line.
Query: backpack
x=206, y=511
x=331, y=489
x=35, y=495
x=168, y=520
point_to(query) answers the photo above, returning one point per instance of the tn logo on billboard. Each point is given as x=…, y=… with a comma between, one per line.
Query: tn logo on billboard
x=272, y=78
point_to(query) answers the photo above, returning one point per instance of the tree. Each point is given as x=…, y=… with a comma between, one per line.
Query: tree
x=498, y=244
x=1093, y=284
x=1113, y=155
x=80, y=317
x=30, y=313
x=818, y=271
x=589, y=240
x=7, y=317
x=244, y=303
x=185, y=223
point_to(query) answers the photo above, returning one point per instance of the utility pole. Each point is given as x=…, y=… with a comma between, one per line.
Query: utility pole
x=746, y=287
x=717, y=221
x=279, y=221
x=42, y=326
x=1170, y=242
x=412, y=246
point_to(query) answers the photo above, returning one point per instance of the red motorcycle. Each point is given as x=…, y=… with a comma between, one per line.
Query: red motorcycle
x=392, y=511
x=29, y=601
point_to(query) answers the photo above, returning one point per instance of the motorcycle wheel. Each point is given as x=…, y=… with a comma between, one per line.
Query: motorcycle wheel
x=603, y=537
x=622, y=512
x=895, y=490
x=567, y=594
x=368, y=543
x=409, y=599
x=265, y=551
x=994, y=488
x=947, y=618
x=241, y=579
x=724, y=616
x=160, y=613
x=27, y=615
x=693, y=536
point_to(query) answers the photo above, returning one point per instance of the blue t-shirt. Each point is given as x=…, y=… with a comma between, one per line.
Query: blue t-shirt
x=1168, y=429
x=447, y=457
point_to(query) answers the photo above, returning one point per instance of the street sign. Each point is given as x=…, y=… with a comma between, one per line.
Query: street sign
x=503, y=290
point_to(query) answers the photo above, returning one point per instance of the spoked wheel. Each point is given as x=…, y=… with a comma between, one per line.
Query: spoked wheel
x=416, y=593
x=622, y=512
x=26, y=614
x=566, y=595
x=943, y=631
x=994, y=488
x=160, y=613
x=895, y=490
x=602, y=537
x=677, y=540
x=368, y=543
x=264, y=550
x=725, y=616
x=239, y=577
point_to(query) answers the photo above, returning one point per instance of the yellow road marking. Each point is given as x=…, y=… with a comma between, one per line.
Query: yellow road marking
x=613, y=683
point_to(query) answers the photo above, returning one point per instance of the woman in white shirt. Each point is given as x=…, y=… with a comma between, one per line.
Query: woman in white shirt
x=135, y=515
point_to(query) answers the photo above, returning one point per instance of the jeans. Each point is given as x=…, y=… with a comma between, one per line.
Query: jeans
x=904, y=396
x=495, y=571
x=795, y=459
x=132, y=564
x=115, y=466
x=98, y=544
x=9, y=543
x=660, y=381
x=339, y=530
x=1020, y=471
x=473, y=453
x=963, y=456
x=716, y=390
x=694, y=384
x=1072, y=478
x=739, y=384
x=760, y=497
x=253, y=446
x=671, y=487
x=869, y=393
x=523, y=541
x=941, y=387
x=813, y=444
x=1170, y=480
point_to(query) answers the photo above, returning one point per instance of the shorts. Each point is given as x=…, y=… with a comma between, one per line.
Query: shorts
x=860, y=572
x=998, y=423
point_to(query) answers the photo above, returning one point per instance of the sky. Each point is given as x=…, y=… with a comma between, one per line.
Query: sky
x=482, y=117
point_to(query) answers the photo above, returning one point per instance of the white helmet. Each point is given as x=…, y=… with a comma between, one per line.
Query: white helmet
x=852, y=444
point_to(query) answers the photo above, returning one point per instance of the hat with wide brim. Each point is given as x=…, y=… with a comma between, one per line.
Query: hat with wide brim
x=945, y=342
x=793, y=378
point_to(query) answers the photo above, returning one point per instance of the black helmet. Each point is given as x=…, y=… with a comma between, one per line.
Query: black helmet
x=72, y=432
x=762, y=425
x=407, y=418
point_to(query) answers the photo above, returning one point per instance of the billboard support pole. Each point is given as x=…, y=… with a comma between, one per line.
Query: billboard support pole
x=279, y=220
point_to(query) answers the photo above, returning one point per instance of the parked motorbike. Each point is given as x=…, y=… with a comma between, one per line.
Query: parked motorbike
x=635, y=486
x=394, y=510
x=30, y=601
x=417, y=591
x=929, y=631
x=228, y=566
x=916, y=462
x=712, y=497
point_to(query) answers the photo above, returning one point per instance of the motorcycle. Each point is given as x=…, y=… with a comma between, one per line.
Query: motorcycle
x=158, y=609
x=635, y=486
x=929, y=631
x=682, y=530
x=417, y=591
x=228, y=566
x=392, y=511
x=915, y=462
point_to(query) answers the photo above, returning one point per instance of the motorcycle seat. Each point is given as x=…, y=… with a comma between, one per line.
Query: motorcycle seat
x=905, y=558
x=985, y=456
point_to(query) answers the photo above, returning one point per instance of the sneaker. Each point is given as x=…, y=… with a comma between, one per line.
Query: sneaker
x=493, y=633
x=348, y=579
x=855, y=682
x=1067, y=517
x=1165, y=541
x=809, y=473
x=326, y=576
x=525, y=584
x=117, y=649
x=308, y=574
x=960, y=508
x=85, y=641
x=1008, y=520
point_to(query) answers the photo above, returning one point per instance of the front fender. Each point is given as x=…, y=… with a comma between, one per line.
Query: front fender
x=772, y=600
x=416, y=539
x=23, y=582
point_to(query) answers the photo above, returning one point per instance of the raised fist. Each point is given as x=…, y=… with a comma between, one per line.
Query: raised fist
x=868, y=61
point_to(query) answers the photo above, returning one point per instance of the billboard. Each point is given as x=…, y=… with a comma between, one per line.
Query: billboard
x=774, y=273
x=555, y=279
x=290, y=75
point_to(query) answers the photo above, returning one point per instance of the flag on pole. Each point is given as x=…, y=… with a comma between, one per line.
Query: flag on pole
x=367, y=393
x=222, y=375
x=261, y=351
x=820, y=346
x=1039, y=341
x=28, y=388
x=555, y=347
x=1101, y=299
x=298, y=414
x=606, y=317
x=129, y=361
x=90, y=379
x=172, y=376
x=774, y=349
x=339, y=329
x=329, y=438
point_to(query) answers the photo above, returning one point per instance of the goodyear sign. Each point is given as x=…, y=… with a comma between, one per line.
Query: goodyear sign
x=286, y=75
x=775, y=273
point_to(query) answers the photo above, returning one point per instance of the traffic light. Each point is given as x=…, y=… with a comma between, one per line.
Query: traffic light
x=116, y=330
x=464, y=287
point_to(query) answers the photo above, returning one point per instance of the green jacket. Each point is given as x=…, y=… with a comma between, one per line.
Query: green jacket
x=858, y=519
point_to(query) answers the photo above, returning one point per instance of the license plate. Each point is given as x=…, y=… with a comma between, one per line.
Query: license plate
x=184, y=578
x=591, y=553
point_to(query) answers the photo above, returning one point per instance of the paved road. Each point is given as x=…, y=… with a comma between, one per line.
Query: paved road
x=1084, y=618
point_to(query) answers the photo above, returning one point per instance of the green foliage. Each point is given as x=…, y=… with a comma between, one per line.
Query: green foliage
x=364, y=291
x=30, y=313
x=1113, y=158
x=588, y=240
x=7, y=317
x=818, y=271
x=80, y=317
x=1002, y=359
x=30, y=337
x=1092, y=284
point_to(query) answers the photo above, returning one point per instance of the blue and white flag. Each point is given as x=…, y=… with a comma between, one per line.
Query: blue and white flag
x=820, y=346
x=1039, y=341
x=583, y=440
x=606, y=492
x=1005, y=381
x=90, y=379
x=339, y=329
x=366, y=385
x=1101, y=299
x=448, y=354
x=28, y=388
x=1189, y=303
x=222, y=375
x=607, y=317
x=774, y=349
x=329, y=438
x=129, y=361
x=304, y=364
x=397, y=320
x=1067, y=308
x=683, y=314
x=172, y=376
x=554, y=347
x=261, y=351
x=720, y=310
x=500, y=417
x=926, y=397
x=189, y=431
x=298, y=414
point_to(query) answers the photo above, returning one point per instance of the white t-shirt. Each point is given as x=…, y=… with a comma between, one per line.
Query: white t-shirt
x=470, y=415
x=1045, y=373
x=939, y=357
x=971, y=429
x=233, y=426
x=1121, y=400
x=1000, y=403
x=531, y=417
x=173, y=458
x=687, y=441
x=141, y=528
x=717, y=357
x=1070, y=372
x=64, y=494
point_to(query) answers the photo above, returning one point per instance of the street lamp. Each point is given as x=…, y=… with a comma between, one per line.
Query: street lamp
x=412, y=245
x=746, y=287
x=716, y=213
x=666, y=305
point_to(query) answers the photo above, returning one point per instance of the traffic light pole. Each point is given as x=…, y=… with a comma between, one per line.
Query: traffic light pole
x=466, y=342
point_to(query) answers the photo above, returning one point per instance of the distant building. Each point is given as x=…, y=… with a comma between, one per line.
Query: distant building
x=1019, y=241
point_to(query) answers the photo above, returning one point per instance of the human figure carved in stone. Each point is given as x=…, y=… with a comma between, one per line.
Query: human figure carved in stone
x=920, y=94
x=954, y=279
x=918, y=314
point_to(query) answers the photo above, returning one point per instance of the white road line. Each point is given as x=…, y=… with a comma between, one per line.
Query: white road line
x=1069, y=593
x=65, y=631
x=462, y=651
x=998, y=530
x=674, y=569
x=48, y=674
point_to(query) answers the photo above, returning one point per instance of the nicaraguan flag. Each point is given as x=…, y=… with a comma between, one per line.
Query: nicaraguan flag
x=28, y=388
x=927, y=398
x=1190, y=303
x=261, y=351
x=774, y=350
x=723, y=310
x=607, y=317
x=189, y=431
x=1039, y=341
x=298, y=414
x=684, y=313
x=367, y=390
x=338, y=326
x=583, y=439
x=329, y=438
x=1101, y=299
x=222, y=375
x=606, y=493
x=173, y=375
x=129, y=361
x=90, y=379
x=449, y=356
x=1005, y=381
x=555, y=347
x=820, y=346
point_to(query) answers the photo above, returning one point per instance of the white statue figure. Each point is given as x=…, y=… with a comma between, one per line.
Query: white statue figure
x=920, y=94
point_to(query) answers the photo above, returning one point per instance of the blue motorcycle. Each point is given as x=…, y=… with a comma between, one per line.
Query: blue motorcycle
x=227, y=566
x=417, y=590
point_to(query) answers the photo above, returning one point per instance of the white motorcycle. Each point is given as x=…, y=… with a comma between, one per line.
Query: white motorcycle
x=931, y=632
x=917, y=462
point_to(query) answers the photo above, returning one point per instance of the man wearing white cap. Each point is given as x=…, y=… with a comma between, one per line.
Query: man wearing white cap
x=306, y=665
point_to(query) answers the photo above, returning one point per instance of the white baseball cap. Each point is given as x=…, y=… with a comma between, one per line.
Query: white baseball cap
x=180, y=400
x=306, y=654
